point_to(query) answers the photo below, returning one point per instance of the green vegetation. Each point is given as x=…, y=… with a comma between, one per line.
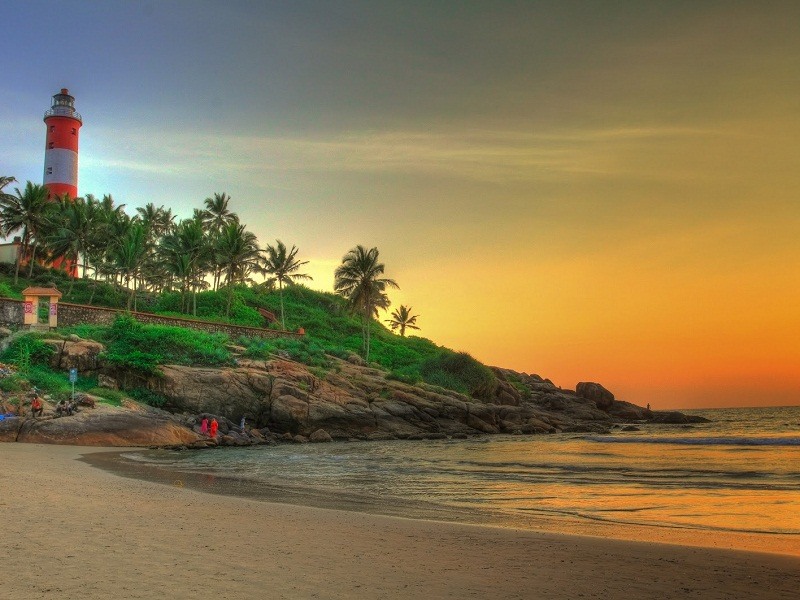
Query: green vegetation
x=203, y=267
x=142, y=348
x=31, y=357
x=147, y=397
x=359, y=279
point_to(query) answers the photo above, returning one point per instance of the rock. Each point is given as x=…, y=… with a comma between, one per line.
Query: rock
x=630, y=428
x=81, y=355
x=320, y=435
x=597, y=393
x=104, y=381
x=108, y=426
x=675, y=418
x=300, y=439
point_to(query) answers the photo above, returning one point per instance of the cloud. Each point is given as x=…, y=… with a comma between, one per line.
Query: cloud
x=483, y=155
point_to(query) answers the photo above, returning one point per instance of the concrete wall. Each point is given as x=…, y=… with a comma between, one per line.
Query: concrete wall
x=8, y=253
x=79, y=314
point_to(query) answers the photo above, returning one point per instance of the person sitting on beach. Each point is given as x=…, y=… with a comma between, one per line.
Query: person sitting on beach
x=36, y=407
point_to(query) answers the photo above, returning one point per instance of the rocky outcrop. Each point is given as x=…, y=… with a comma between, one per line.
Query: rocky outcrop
x=283, y=400
x=102, y=426
x=352, y=401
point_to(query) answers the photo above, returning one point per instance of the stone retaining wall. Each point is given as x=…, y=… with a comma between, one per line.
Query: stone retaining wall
x=80, y=314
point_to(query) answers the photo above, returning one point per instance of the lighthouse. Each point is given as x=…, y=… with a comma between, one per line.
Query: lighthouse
x=61, y=148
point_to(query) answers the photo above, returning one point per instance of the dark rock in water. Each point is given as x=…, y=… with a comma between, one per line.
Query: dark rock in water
x=630, y=428
x=596, y=392
x=676, y=418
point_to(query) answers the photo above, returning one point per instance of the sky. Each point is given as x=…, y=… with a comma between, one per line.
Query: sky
x=588, y=191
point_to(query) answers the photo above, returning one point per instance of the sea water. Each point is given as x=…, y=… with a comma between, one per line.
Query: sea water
x=738, y=474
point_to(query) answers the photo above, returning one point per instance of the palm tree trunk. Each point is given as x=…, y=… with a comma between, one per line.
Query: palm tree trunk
x=33, y=259
x=280, y=294
x=367, y=321
x=94, y=286
x=19, y=259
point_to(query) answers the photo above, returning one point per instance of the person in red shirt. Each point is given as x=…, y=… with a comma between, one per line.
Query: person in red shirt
x=214, y=427
x=36, y=407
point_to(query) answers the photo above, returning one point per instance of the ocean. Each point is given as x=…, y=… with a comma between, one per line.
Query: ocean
x=733, y=482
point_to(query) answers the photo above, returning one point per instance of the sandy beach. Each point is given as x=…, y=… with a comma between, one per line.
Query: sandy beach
x=74, y=531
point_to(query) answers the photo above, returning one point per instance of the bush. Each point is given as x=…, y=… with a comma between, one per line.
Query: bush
x=142, y=348
x=460, y=372
x=7, y=292
x=148, y=397
x=27, y=350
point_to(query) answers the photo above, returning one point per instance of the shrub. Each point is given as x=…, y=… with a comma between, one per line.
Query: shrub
x=460, y=372
x=25, y=351
x=148, y=397
x=132, y=345
x=7, y=292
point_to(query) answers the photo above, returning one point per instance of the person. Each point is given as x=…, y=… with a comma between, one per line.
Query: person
x=241, y=425
x=61, y=407
x=648, y=406
x=36, y=407
x=214, y=427
x=204, y=426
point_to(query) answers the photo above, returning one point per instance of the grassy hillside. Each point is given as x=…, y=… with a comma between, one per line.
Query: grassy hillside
x=331, y=330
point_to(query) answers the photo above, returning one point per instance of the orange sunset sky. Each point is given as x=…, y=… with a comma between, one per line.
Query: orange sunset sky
x=589, y=191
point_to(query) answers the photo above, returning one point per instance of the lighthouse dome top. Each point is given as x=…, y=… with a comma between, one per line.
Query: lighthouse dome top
x=63, y=106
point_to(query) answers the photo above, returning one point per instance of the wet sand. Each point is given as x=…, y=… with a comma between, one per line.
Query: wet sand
x=71, y=530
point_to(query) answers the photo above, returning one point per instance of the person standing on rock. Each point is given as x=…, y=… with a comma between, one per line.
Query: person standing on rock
x=214, y=427
x=204, y=426
x=241, y=425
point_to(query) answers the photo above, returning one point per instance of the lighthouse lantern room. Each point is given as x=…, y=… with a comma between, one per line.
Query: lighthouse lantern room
x=61, y=150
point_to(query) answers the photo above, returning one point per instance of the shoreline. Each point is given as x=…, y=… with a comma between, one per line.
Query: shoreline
x=114, y=462
x=75, y=530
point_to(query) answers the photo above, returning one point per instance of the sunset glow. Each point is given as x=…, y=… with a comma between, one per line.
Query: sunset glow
x=587, y=191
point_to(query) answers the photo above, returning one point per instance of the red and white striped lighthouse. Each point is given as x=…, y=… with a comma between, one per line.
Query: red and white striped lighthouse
x=61, y=149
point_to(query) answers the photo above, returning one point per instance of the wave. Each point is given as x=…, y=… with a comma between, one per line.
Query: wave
x=699, y=441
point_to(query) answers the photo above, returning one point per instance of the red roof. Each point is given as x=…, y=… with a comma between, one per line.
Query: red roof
x=41, y=291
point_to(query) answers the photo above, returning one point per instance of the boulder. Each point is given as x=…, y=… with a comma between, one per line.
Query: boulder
x=80, y=354
x=602, y=398
x=320, y=435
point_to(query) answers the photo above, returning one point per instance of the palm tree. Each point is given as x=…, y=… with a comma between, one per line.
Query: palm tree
x=215, y=217
x=184, y=253
x=71, y=233
x=4, y=181
x=27, y=211
x=216, y=214
x=359, y=280
x=157, y=221
x=237, y=254
x=402, y=319
x=283, y=266
x=129, y=255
